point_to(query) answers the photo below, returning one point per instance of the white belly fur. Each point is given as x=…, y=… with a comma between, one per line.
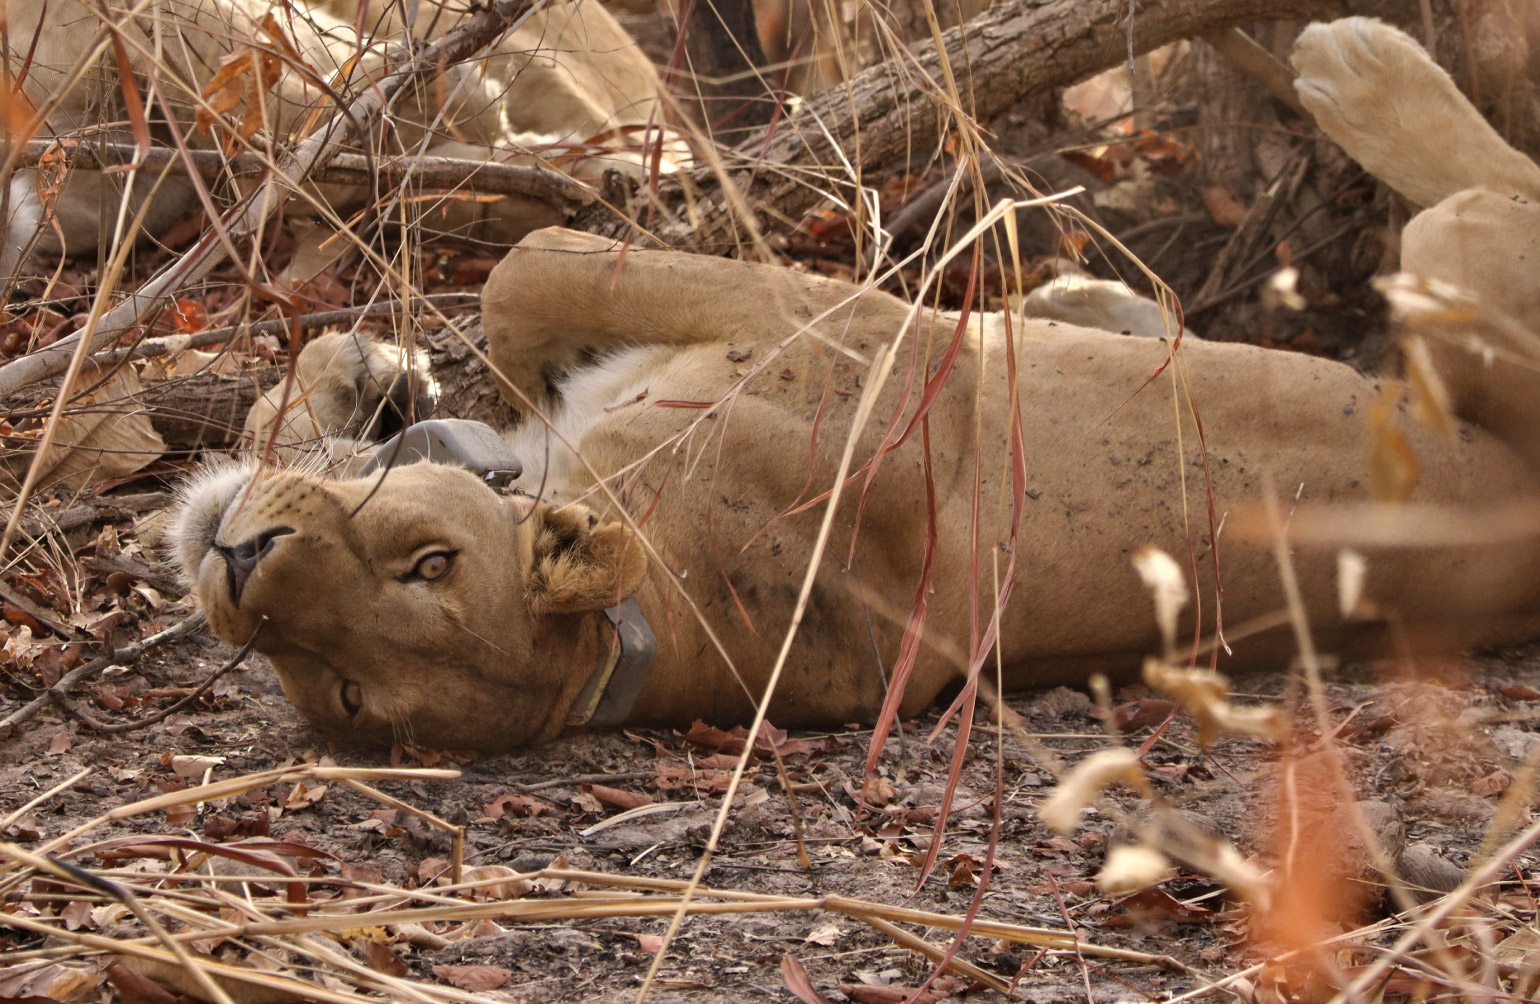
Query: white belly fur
x=551, y=468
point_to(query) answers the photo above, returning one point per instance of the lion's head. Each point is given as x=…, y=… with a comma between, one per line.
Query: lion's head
x=424, y=607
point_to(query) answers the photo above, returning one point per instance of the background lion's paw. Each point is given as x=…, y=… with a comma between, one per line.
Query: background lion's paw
x=365, y=389
x=1353, y=71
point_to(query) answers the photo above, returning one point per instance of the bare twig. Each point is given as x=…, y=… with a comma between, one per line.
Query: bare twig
x=1246, y=55
x=156, y=347
x=117, y=728
x=128, y=653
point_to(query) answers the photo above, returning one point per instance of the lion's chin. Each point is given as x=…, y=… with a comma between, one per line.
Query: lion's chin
x=202, y=501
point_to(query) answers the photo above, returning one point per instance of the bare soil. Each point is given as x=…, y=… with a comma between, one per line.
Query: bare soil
x=1441, y=750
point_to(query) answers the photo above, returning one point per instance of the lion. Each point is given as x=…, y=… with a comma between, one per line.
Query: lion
x=566, y=85
x=701, y=410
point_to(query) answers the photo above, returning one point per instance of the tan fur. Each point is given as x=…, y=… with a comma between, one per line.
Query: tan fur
x=567, y=75
x=492, y=653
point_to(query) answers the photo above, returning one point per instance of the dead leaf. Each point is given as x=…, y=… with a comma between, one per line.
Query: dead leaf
x=616, y=798
x=382, y=958
x=517, y=805
x=512, y=886
x=192, y=766
x=824, y=934
x=302, y=796
x=476, y=979
x=108, y=436
x=59, y=982
x=135, y=989
x=794, y=975
x=77, y=915
x=1494, y=783
x=1226, y=210
x=60, y=743
x=1157, y=903
x=1140, y=714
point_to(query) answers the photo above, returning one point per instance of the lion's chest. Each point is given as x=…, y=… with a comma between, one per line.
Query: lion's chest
x=552, y=467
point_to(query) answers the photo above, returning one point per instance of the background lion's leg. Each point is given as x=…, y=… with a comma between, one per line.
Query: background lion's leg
x=1489, y=246
x=348, y=391
x=562, y=297
x=1376, y=92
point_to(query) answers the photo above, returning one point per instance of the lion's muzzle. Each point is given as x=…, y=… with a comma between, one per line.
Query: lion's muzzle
x=242, y=559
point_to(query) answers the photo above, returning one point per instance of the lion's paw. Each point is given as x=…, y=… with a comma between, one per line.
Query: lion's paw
x=348, y=391
x=1383, y=99
x=364, y=389
x=1354, y=73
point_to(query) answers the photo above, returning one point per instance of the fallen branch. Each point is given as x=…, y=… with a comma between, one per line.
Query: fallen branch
x=294, y=169
x=884, y=115
x=532, y=181
x=88, y=512
x=204, y=410
x=156, y=347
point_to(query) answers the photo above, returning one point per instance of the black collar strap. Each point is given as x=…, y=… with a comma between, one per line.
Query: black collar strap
x=627, y=651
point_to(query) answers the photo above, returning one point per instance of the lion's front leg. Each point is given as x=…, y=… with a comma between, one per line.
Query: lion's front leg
x=348, y=391
x=1379, y=95
x=562, y=298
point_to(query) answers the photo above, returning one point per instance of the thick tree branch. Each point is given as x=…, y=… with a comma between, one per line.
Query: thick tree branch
x=884, y=115
x=490, y=177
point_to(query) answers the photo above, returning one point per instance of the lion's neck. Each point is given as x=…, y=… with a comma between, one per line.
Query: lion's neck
x=552, y=469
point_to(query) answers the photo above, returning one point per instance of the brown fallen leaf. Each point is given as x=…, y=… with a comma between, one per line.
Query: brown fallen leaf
x=1226, y=209
x=517, y=805
x=476, y=979
x=383, y=959
x=794, y=975
x=135, y=989
x=302, y=796
x=1494, y=783
x=615, y=798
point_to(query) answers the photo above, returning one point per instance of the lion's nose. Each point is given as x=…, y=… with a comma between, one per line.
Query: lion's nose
x=241, y=559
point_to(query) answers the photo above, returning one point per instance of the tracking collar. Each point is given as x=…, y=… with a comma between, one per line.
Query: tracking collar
x=625, y=661
x=627, y=648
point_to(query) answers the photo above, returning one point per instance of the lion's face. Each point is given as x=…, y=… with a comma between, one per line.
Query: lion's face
x=427, y=609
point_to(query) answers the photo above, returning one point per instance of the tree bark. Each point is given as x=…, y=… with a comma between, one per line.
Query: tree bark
x=879, y=117
x=722, y=42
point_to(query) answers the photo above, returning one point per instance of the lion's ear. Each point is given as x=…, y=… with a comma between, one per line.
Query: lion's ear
x=580, y=564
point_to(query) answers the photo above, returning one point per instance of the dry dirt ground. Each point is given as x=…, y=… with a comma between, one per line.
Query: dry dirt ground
x=1443, y=751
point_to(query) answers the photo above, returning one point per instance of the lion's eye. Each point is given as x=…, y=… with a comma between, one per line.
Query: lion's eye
x=352, y=697
x=432, y=566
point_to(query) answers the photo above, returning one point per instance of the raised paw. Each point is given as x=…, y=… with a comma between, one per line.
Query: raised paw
x=1383, y=99
x=347, y=388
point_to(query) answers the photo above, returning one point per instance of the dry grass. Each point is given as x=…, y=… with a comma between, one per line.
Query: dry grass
x=170, y=924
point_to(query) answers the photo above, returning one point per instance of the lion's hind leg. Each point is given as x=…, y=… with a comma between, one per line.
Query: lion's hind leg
x=561, y=299
x=1379, y=95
